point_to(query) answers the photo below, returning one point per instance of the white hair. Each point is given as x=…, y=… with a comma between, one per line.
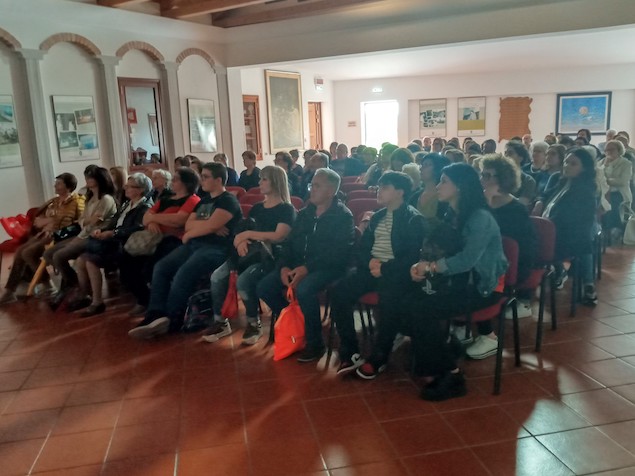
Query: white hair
x=331, y=177
x=163, y=173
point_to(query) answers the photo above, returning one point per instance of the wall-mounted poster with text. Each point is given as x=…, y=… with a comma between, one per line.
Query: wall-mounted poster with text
x=432, y=117
x=471, y=117
x=9, y=142
x=76, y=128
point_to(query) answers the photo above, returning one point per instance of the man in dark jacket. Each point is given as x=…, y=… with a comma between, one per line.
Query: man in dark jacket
x=315, y=254
x=389, y=247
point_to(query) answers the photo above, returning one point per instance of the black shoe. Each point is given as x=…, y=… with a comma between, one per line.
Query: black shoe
x=93, y=310
x=78, y=304
x=443, y=388
x=590, y=297
x=310, y=354
x=57, y=300
x=253, y=332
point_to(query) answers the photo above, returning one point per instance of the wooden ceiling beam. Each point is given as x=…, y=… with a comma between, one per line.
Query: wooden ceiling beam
x=201, y=7
x=236, y=17
x=118, y=3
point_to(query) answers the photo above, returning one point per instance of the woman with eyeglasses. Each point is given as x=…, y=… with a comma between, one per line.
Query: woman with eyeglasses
x=425, y=198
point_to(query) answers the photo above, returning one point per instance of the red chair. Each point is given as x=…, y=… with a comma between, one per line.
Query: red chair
x=238, y=191
x=350, y=180
x=543, y=272
x=510, y=248
x=297, y=203
x=356, y=194
x=361, y=205
x=251, y=198
x=349, y=187
x=255, y=190
x=246, y=208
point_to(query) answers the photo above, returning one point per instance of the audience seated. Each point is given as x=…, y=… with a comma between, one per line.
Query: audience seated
x=319, y=160
x=296, y=168
x=105, y=245
x=99, y=209
x=161, y=179
x=250, y=177
x=537, y=167
x=315, y=255
x=232, y=176
x=425, y=198
x=371, y=177
x=344, y=165
x=528, y=191
x=119, y=177
x=61, y=211
x=618, y=171
x=284, y=160
x=269, y=224
x=208, y=232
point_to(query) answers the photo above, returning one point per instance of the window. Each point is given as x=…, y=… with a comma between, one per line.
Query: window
x=380, y=120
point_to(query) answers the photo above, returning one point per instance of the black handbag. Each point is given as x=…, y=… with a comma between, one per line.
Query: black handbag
x=67, y=232
x=258, y=252
x=108, y=246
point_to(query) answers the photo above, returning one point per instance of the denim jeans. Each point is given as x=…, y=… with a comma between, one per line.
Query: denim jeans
x=175, y=278
x=246, y=286
x=271, y=290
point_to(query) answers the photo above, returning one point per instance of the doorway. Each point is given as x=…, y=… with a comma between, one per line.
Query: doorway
x=315, y=125
x=381, y=120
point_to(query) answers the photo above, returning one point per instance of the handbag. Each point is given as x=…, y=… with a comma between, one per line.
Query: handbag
x=99, y=247
x=629, y=228
x=230, y=305
x=67, y=232
x=142, y=243
x=289, y=329
x=199, y=313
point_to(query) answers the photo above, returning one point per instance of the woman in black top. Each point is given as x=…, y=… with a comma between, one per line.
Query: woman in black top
x=250, y=177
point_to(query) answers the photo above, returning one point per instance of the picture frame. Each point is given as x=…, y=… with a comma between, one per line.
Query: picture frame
x=154, y=129
x=284, y=110
x=10, y=154
x=202, y=124
x=471, y=116
x=575, y=111
x=433, y=117
x=76, y=128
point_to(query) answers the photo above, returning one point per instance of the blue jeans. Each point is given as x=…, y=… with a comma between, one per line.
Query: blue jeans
x=271, y=290
x=246, y=286
x=175, y=278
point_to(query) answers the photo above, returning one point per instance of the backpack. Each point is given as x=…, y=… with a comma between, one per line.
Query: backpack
x=199, y=312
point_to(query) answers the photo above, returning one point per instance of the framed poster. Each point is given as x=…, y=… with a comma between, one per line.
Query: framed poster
x=583, y=111
x=284, y=108
x=154, y=129
x=471, y=117
x=432, y=117
x=76, y=128
x=9, y=142
x=202, y=122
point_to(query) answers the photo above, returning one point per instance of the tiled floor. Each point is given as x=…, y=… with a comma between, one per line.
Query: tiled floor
x=79, y=398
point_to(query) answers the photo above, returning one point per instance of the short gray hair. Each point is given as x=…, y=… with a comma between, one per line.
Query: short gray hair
x=163, y=173
x=540, y=146
x=331, y=177
x=141, y=181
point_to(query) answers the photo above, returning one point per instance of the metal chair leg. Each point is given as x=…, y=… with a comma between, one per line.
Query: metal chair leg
x=541, y=312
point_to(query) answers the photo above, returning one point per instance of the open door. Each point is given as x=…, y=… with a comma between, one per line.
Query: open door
x=315, y=125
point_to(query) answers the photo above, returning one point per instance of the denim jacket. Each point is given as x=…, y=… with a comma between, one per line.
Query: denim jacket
x=482, y=252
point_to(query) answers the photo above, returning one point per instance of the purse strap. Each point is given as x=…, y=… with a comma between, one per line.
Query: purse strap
x=291, y=297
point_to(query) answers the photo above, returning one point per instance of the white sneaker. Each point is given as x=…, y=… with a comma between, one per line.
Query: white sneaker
x=523, y=308
x=459, y=333
x=155, y=328
x=482, y=348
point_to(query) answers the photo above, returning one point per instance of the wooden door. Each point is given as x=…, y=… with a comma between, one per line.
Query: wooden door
x=315, y=125
x=251, y=109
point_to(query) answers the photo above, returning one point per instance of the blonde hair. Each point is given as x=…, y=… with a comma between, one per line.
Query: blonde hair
x=279, y=182
x=119, y=177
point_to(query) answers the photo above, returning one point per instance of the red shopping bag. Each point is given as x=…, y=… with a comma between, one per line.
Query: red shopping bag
x=230, y=305
x=289, y=329
x=16, y=227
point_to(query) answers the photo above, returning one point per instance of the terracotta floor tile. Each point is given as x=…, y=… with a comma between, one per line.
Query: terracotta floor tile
x=419, y=435
x=157, y=465
x=18, y=457
x=384, y=468
x=626, y=304
x=208, y=430
x=578, y=351
x=90, y=470
x=337, y=412
x=514, y=387
x=155, y=383
x=624, y=324
x=13, y=380
x=12, y=363
x=39, y=399
x=271, y=392
x=459, y=462
x=149, y=409
x=524, y=457
x=619, y=345
x=46, y=377
x=227, y=460
x=95, y=416
x=98, y=391
x=210, y=400
x=26, y=426
x=77, y=449
x=145, y=439
x=609, y=372
x=402, y=402
x=618, y=472
x=267, y=422
x=5, y=399
x=484, y=425
x=353, y=445
x=55, y=358
x=544, y=416
x=626, y=391
x=600, y=452
x=213, y=376
x=281, y=455
x=600, y=406
x=622, y=433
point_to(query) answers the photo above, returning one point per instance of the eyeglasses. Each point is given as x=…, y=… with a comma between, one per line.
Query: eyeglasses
x=487, y=176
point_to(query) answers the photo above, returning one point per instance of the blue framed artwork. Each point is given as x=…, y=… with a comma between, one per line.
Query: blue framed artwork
x=583, y=111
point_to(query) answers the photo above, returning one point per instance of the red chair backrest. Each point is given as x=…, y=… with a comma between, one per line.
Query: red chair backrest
x=246, y=208
x=355, y=194
x=546, y=235
x=349, y=187
x=297, y=203
x=255, y=190
x=361, y=205
x=510, y=248
x=350, y=179
x=16, y=227
x=251, y=198
x=238, y=191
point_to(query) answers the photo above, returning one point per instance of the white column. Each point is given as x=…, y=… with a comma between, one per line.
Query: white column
x=38, y=165
x=171, y=112
x=113, y=146
x=224, y=121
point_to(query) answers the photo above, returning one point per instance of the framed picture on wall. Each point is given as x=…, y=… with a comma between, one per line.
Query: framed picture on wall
x=76, y=129
x=202, y=122
x=284, y=108
x=577, y=111
x=154, y=129
x=432, y=117
x=9, y=142
x=471, y=118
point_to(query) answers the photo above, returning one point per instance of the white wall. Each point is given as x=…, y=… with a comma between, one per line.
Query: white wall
x=542, y=86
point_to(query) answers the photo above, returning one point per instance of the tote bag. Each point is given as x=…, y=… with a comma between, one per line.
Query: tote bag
x=289, y=329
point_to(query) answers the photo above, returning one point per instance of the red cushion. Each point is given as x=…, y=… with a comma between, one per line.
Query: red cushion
x=487, y=313
x=369, y=299
x=9, y=246
x=533, y=280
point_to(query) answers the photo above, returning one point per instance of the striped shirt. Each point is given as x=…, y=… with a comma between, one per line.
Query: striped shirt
x=382, y=247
